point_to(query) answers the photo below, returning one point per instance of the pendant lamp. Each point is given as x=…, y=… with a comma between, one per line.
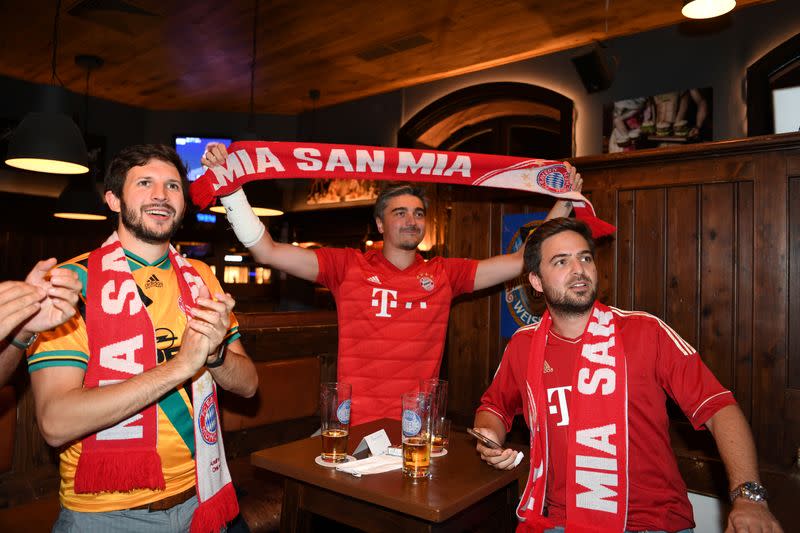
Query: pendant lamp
x=48, y=140
x=706, y=9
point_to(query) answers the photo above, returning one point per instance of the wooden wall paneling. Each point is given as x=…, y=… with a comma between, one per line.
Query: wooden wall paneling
x=604, y=200
x=626, y=232
x=793, y=364
x=648, y=251
x=770, y=306
x=717, y=298
x=743, y=269
x=468, y=343
x=682, y=261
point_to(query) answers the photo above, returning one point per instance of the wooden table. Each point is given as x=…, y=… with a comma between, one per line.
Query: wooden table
x=464, y=494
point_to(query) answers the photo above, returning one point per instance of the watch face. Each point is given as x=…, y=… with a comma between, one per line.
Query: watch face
x=752, y=489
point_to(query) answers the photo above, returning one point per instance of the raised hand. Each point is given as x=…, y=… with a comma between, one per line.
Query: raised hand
x=18, y=302
x=216, y=154
x=60, y=289
x=212, y=317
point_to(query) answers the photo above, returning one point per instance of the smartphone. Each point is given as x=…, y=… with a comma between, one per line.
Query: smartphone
x=485, y=440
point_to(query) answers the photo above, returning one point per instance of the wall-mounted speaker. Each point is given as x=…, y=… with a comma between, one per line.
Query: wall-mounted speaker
x=595, y=70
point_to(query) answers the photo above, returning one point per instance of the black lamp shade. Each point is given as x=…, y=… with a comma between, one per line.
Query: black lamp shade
x=80, y=200
x=48, y=142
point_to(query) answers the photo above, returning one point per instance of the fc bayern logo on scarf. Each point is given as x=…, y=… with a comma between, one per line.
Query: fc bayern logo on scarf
x=554, y=178
x=207, y=421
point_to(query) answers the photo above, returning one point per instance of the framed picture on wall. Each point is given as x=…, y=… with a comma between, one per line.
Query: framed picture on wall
x=667, y=119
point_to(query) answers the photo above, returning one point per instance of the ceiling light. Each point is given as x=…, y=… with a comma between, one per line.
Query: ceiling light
x=80, y=200
x=49, y=141
x=706, y=9
x=259, y=211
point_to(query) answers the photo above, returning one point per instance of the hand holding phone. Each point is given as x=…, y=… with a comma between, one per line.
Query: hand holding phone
x=486, y=441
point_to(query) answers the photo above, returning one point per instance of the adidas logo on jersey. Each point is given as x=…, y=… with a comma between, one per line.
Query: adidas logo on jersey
x=547, y=368
x=153, y=281
x=374, y=279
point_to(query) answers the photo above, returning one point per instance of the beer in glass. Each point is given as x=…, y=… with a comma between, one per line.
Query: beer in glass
x=335, y=407
x=437, y=388
x=416, y=430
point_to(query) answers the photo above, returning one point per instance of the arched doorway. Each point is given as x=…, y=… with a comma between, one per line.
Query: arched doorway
x=506, y=118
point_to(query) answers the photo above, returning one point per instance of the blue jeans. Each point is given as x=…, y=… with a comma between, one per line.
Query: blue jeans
x=175, y=520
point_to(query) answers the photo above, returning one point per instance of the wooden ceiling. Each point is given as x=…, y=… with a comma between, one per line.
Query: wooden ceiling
x=195, y=55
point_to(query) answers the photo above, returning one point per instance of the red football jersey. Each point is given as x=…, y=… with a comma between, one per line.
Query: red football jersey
x=659, y=363
x=392, y=322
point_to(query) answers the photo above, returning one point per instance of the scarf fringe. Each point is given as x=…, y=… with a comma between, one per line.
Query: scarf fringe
x=214, y=513
x=534, y=524
x=119, y=472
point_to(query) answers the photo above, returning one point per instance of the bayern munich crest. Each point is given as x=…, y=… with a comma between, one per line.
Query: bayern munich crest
x=343, y=412
x=554, y=178
x=412, y=423
x=426, y=282
x=207, y=421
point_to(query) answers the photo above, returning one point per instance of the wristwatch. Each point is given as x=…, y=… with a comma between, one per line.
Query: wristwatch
x=22, y=345
x=220, y=360
x=750, y=490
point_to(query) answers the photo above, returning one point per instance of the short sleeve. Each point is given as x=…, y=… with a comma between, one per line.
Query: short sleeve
x=66, y=345
x=688, y=380
x=461, y=273
x=503, y=398
x=333, y=263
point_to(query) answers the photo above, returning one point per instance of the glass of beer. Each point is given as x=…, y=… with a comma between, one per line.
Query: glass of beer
x=416, y=429
x=335, y=407
x=437, y=388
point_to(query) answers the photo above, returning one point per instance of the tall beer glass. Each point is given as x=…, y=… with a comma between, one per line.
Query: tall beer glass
x=335, y=406
x=437, y=388
x=416, y=426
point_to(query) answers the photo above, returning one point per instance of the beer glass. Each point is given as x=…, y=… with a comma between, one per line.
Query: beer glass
x=437, y=388
x=335, y=407
x=441, y=435
x=416, y=429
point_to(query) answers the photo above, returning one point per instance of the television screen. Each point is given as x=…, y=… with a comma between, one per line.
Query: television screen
x=191, y=149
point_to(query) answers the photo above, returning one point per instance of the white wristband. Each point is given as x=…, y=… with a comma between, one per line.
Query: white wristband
x=246, y=225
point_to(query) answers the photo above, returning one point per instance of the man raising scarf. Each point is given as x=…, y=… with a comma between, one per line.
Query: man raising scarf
x=392, y=305
x=128, y=387
x=591, y=382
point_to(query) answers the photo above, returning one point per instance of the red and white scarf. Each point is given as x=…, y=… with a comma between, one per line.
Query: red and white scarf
x=248, y=161
x=597, y=449
x=122, y=344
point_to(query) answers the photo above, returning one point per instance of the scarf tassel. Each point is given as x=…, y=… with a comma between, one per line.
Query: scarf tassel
x=120, y=472
x=214, y=513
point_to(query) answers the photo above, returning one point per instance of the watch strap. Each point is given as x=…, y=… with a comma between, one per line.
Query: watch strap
x=220, y=360
x=20, y=344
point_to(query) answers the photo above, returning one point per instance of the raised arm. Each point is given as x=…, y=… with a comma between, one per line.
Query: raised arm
x=501, y=268
x=43, y=301
x=252, y=234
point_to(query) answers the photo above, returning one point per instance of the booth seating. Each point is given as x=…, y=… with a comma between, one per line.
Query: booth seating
x=285, y=408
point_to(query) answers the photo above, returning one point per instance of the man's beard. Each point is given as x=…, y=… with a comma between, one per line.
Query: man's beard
x=134, y=224
x=566, y=304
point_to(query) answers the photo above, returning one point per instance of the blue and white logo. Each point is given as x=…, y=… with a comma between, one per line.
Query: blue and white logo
x=343, y=412
x=412, y=423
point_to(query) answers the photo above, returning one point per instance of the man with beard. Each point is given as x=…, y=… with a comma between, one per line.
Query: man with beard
x=138, y=432
x=392, y=305
x=591, y=382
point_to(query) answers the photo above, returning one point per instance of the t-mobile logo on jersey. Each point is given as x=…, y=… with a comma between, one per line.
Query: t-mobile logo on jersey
x=560, y=405
x=386, y=299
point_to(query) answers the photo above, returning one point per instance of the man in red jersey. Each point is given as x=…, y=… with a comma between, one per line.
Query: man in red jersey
x=591, y=382
x=392, y=305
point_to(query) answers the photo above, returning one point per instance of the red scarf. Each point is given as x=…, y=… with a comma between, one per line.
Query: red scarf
x=597, y=451
x=122, y=344
x=248, y=161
